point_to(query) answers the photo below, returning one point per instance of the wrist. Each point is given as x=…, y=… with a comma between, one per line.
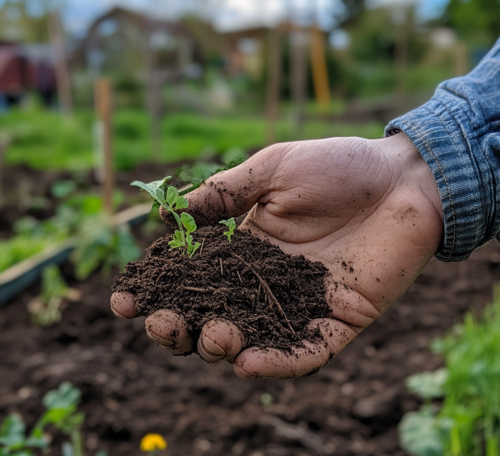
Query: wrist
x=414, y=177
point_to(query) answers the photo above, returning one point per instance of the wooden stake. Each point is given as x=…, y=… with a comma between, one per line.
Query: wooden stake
x=273, y=84
x=298, y=47
x=103, y=104
x=62, y=72
x=319, y=69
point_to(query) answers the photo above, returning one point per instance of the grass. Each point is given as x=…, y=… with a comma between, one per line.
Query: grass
x=47, y=141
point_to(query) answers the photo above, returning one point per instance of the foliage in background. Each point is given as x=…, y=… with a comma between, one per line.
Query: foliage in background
x=101, y=243
x=478, y=21
x=37, y=143
x=61, y=412
x=79, y=216
x=46, y=308
x=468, y=421
x=31, y=237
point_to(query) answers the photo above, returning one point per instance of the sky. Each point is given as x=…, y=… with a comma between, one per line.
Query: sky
x=228, y=14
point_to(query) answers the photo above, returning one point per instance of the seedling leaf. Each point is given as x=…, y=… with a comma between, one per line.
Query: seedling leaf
x=160, y=194
x=172, y=195
x=231, y=225
x=194, y=248
x=182, y=203
x=188, y=222
x=146, y=187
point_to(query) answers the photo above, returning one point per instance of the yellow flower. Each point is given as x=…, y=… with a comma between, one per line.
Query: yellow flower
x=153, y=442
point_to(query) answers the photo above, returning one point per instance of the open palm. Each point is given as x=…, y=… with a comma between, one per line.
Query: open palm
x=368, y=210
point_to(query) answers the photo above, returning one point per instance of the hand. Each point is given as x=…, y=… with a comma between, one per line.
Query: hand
x=369, y=210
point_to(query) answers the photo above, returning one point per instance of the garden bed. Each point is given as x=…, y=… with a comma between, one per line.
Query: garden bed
x=131, y=387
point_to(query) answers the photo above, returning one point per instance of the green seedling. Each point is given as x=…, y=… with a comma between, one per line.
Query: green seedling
x=467, y=419
x=231, y=225
x=45, y=309
x=170, y=199
x=61, y=412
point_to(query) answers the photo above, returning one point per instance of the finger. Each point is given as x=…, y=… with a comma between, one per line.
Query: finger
x=233, y=192
x=220, y=340
x=255, y=363
x=169, y=330
x=123, y=305
x=273, y=363
x=347, y=304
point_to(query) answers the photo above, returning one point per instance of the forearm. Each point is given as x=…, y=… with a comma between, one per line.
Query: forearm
x=458, y=134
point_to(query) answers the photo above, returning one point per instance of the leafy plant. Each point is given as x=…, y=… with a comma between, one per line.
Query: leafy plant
x=102, y=243
x=46, y=308
x=231, y=225
x=170, y=199
x=61, y=412
x=468, y=422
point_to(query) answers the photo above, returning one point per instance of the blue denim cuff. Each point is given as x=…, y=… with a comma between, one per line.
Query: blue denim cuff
x=437, y=131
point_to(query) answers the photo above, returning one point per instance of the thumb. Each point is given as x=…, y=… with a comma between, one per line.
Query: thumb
x=233, y=192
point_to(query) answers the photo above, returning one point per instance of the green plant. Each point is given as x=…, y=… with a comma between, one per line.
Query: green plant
x=102, y=243
x=61, y=412
x=231, y=225
x=468, y=421
x=170, y=199
x=46, y=308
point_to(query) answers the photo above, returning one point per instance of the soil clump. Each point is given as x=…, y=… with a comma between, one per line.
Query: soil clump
x=269, y=295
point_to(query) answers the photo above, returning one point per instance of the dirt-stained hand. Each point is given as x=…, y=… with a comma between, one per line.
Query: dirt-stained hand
x=370, y=204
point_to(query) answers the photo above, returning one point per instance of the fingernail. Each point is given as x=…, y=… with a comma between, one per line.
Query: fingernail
x=161, y=341
x=208, y=354
x=125, y=302
x=243, y=373
x=211, y=347
x=118, y=314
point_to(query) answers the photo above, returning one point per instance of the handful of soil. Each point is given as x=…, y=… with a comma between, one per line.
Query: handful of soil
x=269, y=295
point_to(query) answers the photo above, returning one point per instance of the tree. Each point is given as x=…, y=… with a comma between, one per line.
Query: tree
x=477, y=21
x=27, y=20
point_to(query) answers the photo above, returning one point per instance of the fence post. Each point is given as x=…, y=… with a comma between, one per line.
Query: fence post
x=273, y=84
x=103, y=104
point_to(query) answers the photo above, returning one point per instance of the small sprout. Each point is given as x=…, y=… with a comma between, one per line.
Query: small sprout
x=231, y=225
x=171, y=201
x=266, y=400
x=153, y=443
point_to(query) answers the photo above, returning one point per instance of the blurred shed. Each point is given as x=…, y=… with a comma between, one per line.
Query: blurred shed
x=24, y=68
x=125, y=42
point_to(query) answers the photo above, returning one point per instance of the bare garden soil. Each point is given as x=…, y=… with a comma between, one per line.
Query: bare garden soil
x=131, y=387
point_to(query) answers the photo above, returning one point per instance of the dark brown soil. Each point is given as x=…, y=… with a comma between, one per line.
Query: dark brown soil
x=269, y=295
x=131, y=387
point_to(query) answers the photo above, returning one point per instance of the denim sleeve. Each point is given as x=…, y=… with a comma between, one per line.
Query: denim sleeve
x=458, y=134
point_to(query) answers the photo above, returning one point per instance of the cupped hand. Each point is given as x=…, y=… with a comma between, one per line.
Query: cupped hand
x=369, y=210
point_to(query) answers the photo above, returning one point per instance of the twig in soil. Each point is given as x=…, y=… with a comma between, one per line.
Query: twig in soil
x=161, y=275
x=221, y=270
x=202, y=244
x=199, y=290
x=267, y=289
x=239, y=276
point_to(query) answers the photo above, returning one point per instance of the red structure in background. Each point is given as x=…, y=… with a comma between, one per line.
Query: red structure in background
x=21, y=72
